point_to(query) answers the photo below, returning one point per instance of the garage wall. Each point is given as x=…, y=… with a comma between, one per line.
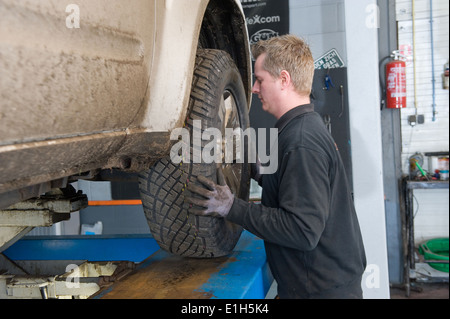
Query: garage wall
x=321, y=23
x=433, y=135
x=431, y=206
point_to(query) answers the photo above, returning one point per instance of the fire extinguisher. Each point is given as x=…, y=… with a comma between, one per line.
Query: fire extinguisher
x=396, y=82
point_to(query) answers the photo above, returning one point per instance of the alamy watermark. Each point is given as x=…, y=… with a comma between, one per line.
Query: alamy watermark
x=73, y=278
x=373, y=16
x=210, y=146
x=73, y=19
x=372, y=277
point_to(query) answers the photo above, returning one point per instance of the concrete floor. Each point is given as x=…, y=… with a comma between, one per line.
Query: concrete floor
x=423, y=291
x=419, y=291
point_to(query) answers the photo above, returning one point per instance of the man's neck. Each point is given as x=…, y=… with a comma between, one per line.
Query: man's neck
x=301, y=100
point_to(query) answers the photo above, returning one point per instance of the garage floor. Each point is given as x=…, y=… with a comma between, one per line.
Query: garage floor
x=423, y=291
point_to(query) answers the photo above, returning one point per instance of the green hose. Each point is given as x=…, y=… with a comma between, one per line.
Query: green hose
x=420, y=168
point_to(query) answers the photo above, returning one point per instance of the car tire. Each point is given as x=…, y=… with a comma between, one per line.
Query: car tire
x=218, y=99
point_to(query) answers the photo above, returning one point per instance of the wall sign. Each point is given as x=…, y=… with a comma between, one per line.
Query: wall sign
x=266, y=18
x=330, y=60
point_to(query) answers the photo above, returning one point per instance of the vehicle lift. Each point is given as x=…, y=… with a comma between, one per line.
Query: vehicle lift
x=132, y=267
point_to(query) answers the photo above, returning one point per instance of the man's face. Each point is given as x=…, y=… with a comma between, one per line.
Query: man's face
x=266, y=87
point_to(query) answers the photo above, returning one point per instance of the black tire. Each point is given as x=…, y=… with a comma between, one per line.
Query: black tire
x=217, y=84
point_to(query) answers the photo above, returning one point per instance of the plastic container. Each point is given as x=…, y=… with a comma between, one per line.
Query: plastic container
x=443, y=175
x=95, y=229
x=443, y=168
x=436, y=249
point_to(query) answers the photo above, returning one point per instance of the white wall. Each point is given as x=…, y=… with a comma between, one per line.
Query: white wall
x=321, y=23
x=431, y=206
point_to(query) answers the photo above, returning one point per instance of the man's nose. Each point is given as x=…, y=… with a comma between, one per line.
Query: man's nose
x=255, y=88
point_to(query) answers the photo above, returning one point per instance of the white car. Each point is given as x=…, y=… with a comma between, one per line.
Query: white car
x=98, y=86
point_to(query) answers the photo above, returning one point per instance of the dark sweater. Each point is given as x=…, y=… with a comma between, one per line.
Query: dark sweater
x=307, y=217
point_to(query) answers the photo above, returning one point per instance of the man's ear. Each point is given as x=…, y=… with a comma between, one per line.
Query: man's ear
x=285, y=79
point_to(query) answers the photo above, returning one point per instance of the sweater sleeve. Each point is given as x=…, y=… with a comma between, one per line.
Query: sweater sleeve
x=304, y=197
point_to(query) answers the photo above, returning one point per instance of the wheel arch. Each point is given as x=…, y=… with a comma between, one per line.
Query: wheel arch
x=210, y=24
x=224, y=28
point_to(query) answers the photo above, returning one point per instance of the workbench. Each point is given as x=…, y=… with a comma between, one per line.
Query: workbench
x=408, y=224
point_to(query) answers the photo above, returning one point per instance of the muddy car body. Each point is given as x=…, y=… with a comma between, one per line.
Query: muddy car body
x=100, y=85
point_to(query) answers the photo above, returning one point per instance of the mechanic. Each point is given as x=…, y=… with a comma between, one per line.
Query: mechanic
x=307, y=216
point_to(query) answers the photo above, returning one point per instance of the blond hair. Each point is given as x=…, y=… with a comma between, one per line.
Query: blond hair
x=291, y=54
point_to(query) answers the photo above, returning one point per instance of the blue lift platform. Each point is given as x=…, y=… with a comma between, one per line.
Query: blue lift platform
x=244, y=274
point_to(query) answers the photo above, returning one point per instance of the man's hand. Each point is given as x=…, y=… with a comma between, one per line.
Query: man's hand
x=218, y=199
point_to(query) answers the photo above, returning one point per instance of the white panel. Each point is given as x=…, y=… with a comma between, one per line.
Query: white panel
x=365, y=126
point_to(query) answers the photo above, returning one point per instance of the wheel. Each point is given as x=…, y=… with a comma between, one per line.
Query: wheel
x=219, y=101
